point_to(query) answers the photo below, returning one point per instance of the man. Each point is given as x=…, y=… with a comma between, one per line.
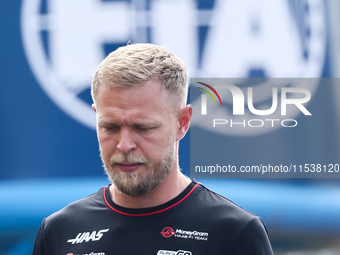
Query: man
x=139, y=93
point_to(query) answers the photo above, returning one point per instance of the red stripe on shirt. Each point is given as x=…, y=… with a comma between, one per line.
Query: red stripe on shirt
x=151, y=213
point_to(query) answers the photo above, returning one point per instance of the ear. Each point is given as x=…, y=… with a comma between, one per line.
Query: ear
x=94, y=107
x=184, y=122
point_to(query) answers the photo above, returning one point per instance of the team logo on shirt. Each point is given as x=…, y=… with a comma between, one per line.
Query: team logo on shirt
x=92, y=253
x=195, y=235
x=180, y=252
x=167, y=232
x=88, y=236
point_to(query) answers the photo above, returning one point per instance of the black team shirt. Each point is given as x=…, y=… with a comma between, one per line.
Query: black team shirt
x=196, y=222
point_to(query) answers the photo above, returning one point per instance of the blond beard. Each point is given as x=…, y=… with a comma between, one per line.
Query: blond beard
x=140, y=182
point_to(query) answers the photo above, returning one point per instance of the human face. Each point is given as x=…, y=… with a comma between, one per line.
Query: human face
x=137, y=136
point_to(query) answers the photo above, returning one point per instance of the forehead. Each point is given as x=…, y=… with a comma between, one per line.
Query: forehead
x=141, y=99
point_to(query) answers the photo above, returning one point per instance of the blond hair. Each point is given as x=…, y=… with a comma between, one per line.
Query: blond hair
x=135, y=64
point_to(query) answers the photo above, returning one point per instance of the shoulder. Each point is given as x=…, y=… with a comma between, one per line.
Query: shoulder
x=61, y=226
x=222, y=207
x=245, y=231
x=77, y=210
x=231, y=227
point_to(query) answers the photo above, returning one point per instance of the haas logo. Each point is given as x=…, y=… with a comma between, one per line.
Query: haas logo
x=87, y=236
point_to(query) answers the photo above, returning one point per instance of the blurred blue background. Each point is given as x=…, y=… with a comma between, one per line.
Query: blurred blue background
x=49, y=150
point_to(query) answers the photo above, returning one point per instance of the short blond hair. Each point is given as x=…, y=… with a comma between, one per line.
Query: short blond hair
x=139, y=63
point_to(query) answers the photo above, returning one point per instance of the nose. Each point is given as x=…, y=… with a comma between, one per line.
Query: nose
x=126, y=141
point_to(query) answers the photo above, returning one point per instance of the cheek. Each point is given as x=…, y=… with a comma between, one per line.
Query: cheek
x=162, y=141
x=107, y=146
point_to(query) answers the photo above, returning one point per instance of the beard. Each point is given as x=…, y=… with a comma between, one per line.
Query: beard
x=142, y=181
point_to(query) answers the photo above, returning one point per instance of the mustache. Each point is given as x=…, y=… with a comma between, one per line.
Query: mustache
x=128, y=158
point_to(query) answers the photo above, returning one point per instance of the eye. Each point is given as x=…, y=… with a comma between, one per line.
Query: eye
x=142, y=129
x=110, y=128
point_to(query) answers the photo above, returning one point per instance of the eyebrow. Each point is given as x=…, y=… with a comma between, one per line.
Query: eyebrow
x=147, y=123
x=104, y=122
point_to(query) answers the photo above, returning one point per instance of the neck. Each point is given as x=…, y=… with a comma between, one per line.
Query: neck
x=171, y=187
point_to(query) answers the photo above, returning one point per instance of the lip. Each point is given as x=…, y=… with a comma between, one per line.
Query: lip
x=129, y=167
